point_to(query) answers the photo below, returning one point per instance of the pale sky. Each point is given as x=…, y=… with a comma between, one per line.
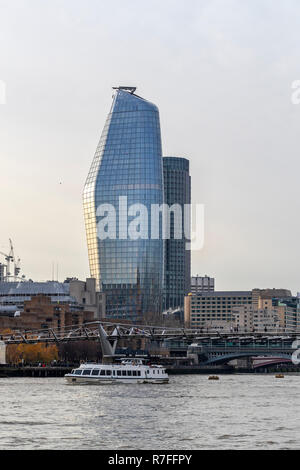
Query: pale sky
x=220, y=72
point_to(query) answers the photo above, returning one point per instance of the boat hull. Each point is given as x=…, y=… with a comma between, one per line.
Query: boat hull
x=71, y=379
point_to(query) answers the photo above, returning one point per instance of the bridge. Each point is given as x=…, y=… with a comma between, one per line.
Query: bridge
x=270, y=349
x=208, y=348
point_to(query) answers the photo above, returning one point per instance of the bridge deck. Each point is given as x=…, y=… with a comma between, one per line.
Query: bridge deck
x=90, y=331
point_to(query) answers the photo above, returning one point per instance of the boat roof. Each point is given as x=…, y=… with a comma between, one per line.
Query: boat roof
x=123, y=364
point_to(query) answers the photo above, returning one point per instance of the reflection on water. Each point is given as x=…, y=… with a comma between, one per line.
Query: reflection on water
x=237, y=412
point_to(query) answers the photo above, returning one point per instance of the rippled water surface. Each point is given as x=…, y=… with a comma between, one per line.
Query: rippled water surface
x=237, y=412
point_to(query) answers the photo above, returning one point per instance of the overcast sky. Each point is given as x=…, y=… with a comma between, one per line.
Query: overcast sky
x=220, y=72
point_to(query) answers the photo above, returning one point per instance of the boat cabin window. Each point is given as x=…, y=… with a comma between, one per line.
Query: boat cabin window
x=102, y=372
x=118, y=372
x=95, y=371
x=139, y=373
x=129, y=372
x=108, y=372
x=134, y=373
x=123, y=372
x=87, y=371
x=78, y=372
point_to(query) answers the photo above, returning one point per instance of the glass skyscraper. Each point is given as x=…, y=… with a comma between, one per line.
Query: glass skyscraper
x=177, y=190
x=127, y=164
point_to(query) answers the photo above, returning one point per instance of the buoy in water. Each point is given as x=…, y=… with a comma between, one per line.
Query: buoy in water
x=279, y=376
x=213, y=377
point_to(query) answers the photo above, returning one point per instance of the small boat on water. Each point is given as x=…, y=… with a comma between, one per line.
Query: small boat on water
x=128, y=371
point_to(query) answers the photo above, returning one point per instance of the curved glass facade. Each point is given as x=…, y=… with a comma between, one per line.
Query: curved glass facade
x=127, y=163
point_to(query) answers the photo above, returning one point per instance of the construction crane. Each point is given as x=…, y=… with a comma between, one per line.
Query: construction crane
x=16, y=261
x=11, y=258
x=17, y=267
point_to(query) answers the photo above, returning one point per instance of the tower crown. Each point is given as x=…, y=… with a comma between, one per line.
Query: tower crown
x=131, y=89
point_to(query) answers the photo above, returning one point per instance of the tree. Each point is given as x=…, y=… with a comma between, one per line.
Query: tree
x=30, y=353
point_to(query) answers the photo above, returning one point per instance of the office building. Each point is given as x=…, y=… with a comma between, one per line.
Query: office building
x=214, y=309
x=126, y=171
x=247, y=318
x=177, y=191
x=273, y=315
x=242, y=310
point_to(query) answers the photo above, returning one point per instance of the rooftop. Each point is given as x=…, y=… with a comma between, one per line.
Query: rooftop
x=224, y=294
x=34, y=288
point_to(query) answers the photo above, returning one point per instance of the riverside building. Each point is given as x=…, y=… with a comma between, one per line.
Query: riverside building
x=271, y=314
x=78, y=295
x=259, y=309
x=214, y=309
x=127, y=170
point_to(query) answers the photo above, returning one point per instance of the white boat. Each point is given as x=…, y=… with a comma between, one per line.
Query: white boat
x=128, y=371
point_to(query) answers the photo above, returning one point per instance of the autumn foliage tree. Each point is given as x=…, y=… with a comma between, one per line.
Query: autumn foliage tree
x=30, y=353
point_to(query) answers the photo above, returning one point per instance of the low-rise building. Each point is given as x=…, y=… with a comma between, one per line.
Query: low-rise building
x=260, y=296
x=202, y=310
x=72, y=292
x=249, y=319
x=86, y=294
x=41, y=313
x=271, y=310
x=259, y=309
x=36, y=305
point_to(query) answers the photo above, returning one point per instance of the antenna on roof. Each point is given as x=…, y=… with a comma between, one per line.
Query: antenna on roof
x=131, y=89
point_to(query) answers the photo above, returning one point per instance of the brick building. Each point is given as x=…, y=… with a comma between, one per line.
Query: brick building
x=40, y=312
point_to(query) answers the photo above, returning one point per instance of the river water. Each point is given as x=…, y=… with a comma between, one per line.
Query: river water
x=236, y=412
